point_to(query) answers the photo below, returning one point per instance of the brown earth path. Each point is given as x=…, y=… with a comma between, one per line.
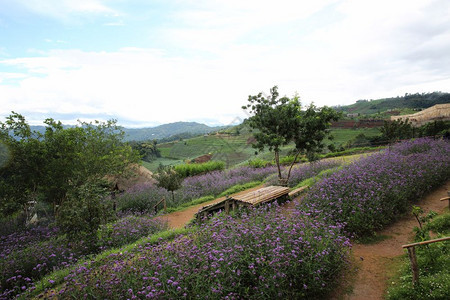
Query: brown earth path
x=179, y=219
x=379, y=261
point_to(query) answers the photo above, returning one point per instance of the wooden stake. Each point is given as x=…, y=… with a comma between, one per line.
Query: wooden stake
x=414, y=267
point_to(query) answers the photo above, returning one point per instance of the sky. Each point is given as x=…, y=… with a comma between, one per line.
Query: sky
x=147, y=62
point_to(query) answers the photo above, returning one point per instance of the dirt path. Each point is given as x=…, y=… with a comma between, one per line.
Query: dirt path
x=377, y=262
x=179, y=219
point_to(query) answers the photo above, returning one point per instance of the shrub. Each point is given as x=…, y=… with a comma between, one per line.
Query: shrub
x=128, y=229
x=186, y=170
x=142, y=198
x=258, y=163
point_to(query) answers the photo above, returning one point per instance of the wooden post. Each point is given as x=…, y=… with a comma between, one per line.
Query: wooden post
x=227, y=207
x=413, y=259
x=414, y=267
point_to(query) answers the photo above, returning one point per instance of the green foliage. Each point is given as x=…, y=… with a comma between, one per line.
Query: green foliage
x=396, y=130
x=57, y=166
x=439, y=224
x=258, y=163
x=186, y=170
x=169, y=179
x=410, y=101
x=287, y=160
x=434, y=267
x=83, y=212
x=435, y=128
x=147, y=150
x=280, y=121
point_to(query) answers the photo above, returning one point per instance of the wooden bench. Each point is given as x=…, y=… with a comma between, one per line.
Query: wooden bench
x=254, y=198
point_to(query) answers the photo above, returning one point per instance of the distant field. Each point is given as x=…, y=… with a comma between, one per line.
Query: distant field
x=341, y=136
x=233, y=149
x=164, y=161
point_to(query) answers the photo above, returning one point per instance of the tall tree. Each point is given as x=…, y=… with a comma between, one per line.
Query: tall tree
x=280, y=121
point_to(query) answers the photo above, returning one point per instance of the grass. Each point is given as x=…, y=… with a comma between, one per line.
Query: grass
x=434, y=267
x=153, y=166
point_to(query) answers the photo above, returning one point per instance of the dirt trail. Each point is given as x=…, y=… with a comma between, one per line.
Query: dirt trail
x=378, y=262
x=180, y=218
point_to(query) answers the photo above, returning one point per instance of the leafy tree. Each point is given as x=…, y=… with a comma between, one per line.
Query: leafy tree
x=58, y=164
x=24, y=159
x=435, y=128
x=147, y=150
x=396, y=130
x=280, y=121
x=169, y=179
x=84, y=211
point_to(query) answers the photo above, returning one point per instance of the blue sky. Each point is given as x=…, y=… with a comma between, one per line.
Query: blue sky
x=152, y=62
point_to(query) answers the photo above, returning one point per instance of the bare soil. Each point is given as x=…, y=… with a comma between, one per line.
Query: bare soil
x=376, y=263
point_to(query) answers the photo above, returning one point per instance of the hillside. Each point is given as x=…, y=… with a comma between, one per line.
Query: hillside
x=167, y=130
x=406, y=103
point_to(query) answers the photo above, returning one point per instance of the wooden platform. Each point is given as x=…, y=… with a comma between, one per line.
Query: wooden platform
x=254, y=198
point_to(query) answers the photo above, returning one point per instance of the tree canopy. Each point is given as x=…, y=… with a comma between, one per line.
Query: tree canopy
x=280, y=121
x=52, y=165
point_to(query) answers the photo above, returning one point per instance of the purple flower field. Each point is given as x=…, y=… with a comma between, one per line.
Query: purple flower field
x=370, y=193
x=29, y=255
x=262, y=254
x=143, y=197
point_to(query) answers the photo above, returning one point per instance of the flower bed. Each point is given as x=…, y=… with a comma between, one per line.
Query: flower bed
x=30, y=255
x=264, y=254
x=371, y=192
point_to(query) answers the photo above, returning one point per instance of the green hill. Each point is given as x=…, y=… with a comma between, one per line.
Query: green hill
x=405, y=104
x=167, y=130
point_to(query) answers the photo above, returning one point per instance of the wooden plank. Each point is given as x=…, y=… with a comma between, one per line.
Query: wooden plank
x=263, y=194
x=295, y=192
x=427, y=242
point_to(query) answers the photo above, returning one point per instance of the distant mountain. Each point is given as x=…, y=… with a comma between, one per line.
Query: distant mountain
x=411, y=101
x=167, y=130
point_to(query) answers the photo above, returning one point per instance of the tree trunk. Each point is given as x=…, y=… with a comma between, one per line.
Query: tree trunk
x=277, y=161
x=292, y=164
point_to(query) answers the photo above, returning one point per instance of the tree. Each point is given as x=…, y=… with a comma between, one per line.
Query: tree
x=280, y=121
x=54, y=166
x=169, y=179
x=396, y=130
x=21, y=170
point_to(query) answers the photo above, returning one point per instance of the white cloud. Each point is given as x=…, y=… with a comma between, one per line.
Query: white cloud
x=66, y=10
x=369, y=49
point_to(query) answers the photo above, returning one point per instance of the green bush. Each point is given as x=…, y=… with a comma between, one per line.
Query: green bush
x=258, y=163
x=186, y=170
